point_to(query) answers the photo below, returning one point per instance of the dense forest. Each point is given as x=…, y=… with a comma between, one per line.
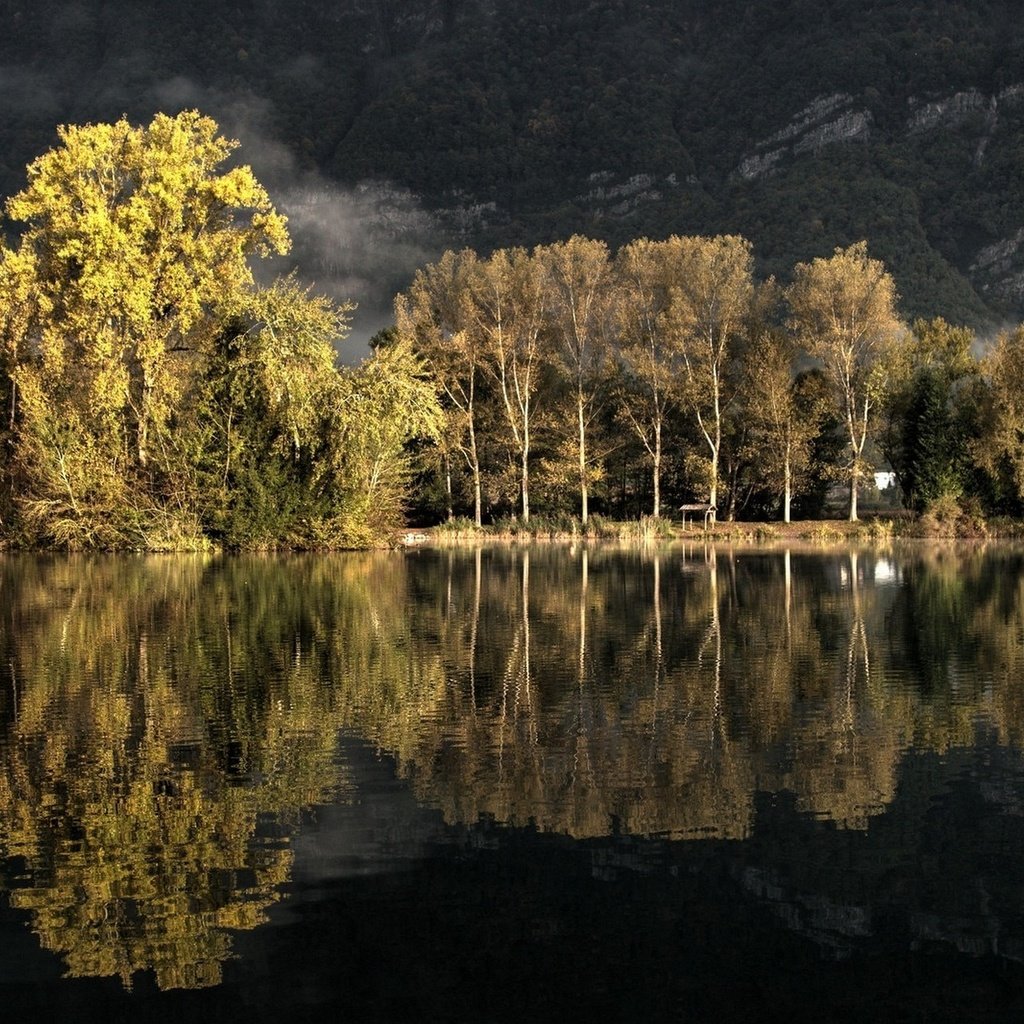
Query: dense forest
x=799, y=126
x=156, y=395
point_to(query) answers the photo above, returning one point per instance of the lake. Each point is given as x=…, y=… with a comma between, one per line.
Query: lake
x=514, y=784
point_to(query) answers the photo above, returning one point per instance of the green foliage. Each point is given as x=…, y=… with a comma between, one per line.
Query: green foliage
x=646, y=528
x=932, y=448
x=931, y=377
x=154, y=395
x=378, y=409
x=947, y=516
x=263, y=418
x=457, y=527
x=998, y=445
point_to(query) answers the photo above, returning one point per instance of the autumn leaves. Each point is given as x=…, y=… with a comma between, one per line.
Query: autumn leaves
x=672, y=341
x=155, y=396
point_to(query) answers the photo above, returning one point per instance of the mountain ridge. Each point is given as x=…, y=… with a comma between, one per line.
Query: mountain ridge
x=803, y=126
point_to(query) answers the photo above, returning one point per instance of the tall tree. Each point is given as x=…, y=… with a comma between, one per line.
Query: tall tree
x=929, y=374
x=509, y=304
x=578, y=274
x=711, y=289
x=649, y=350
x=999, y=448
x=783, y=423
x=843, y=309
x=380, y=407
x=134, y=246
x=256, y=432
x=437, y=314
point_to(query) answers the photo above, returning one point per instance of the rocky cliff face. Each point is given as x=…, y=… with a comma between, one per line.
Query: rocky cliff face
x=834, y=119
x=823, y=122
x=988, y=123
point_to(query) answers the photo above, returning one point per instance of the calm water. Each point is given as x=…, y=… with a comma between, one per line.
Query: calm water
x=514, y=784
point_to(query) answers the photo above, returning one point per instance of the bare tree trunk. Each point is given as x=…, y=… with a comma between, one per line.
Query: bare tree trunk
x=788, y=494
x=734, y=490
x=143, y=427
x=657, y=471
x=713, y=495
x=583, y=456
x=525, y=481
x=448, y=486
x=856, y=427
x=477, y=490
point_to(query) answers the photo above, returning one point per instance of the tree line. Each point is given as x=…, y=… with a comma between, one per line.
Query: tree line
x=666, y=372
x=154, y=394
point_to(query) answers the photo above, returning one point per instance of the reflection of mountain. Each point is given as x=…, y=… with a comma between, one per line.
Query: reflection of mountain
x=166, y=721
x=940, y=867
x=915, y=917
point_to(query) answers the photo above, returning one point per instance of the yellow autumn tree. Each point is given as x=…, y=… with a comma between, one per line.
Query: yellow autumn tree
x=379, y=408
x=581, y=318
x=132, y=242
x=649, y=352
x=436, y=316
x=843, y=310
x=510, y=305
x=711, y=288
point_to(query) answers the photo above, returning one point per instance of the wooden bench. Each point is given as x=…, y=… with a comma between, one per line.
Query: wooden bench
x=708, y=510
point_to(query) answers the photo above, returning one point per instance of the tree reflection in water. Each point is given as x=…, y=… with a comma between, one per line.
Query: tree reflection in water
x=167, y=722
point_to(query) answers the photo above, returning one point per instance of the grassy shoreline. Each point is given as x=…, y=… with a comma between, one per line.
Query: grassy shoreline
x=877, y=528
x=872, y=528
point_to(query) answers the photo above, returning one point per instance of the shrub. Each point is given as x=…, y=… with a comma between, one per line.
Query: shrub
x=949, y=516
x=457, y=527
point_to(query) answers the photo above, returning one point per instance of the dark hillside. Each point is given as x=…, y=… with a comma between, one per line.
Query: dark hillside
x=803, y=125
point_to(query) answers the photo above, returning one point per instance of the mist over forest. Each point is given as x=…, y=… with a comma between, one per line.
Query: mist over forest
x=388, y=132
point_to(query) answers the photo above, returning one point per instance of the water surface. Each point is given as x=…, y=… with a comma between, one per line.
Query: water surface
x=510, y=782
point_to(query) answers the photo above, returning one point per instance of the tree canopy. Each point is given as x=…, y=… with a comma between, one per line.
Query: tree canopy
x=684, y=380
x=844, y=312
x=155, y=395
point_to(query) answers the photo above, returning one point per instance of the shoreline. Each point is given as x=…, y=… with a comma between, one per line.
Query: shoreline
x=872, y=529
x=869, y=530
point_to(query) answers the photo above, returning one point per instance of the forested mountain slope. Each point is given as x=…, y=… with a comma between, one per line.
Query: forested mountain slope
x=802, y=125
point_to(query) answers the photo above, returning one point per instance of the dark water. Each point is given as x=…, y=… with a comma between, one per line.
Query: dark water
x=502, y=785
